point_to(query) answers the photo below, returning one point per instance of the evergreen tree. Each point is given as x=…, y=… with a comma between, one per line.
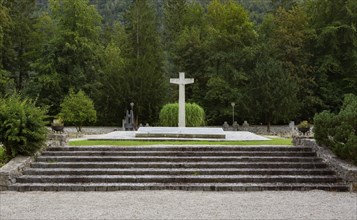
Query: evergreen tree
x=147, y=81
x=112, y=84
x=17, y=39
x=272, y=92
x=71, y=58
x=6, y=84
x=230, y=37
x=289, y=40
x=335, y=49
x=174, y=14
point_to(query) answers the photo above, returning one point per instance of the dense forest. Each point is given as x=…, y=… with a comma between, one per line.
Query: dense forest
x=278, y=60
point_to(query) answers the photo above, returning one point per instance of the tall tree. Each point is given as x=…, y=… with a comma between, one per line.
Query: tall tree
x=290, y=42
x=70, y=59
x=16, y=39
x=5, y=24
x=335, y=49
x=272, y=91
x=148, y=84
x=230, y=37
x=190, y=53
x=112, y=84
x=174, y=14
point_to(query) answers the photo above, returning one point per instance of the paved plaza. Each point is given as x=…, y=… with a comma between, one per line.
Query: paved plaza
x=130, y=135
x=178, y=205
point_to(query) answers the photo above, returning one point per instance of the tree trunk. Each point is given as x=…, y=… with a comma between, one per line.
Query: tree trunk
x=268, y=127
x=269, y=119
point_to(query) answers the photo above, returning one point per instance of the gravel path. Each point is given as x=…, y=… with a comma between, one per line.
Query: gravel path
x=178, y=205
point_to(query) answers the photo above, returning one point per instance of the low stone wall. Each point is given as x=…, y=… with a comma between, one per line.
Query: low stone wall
x=281, y=130
x=91, y=130
x=14, y=168
x=345, y=170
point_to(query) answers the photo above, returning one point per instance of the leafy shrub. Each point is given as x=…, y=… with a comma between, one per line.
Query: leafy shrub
x=339, y=131
x=3, y=157
x=78, y=109
x=22, y=126
x=57, y=122
x=304, y=124
x=195, y=115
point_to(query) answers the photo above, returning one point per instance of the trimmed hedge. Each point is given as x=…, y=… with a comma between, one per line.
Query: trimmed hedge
x=22, y=126
x=195, y=115
x=339, y=131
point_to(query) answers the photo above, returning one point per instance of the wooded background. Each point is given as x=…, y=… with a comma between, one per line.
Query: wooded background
x=278, y=60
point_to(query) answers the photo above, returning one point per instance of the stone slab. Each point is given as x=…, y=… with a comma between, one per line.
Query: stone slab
x=130, y=135
x=180, y=132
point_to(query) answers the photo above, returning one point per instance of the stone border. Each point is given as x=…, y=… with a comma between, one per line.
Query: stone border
x=345, y=170
x=14, y=168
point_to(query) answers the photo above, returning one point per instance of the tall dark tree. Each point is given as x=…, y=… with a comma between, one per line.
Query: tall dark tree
x=69, y=59
x=335, y=49
x=272, y=91
x=290, y=40
x=17, y=40
x=230, y=39
x=6, y=84
x=174, y=14
x=148, y=84
x=112, y=85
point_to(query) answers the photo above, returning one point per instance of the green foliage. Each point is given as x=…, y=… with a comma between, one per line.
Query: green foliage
x=112, y=86
x=272, y=91
x=78, y=109
x=334, y=49
x=22, y=126
x=219, y=95
x=17, y=20
x=57, y=122
x=304, y=124
x=339, y=131
x=48, y=47
x=3, y=157
x=69, y=55
x=195, y=115
x=285, y=36
x=144, y=71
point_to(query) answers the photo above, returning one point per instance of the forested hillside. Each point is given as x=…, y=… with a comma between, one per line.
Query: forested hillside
x=278, y=60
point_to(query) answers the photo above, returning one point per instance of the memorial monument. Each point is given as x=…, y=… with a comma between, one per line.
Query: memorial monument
x=182, y=81
x=181, y=131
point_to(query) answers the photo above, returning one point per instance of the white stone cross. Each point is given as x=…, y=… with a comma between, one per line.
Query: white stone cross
x=182, y=111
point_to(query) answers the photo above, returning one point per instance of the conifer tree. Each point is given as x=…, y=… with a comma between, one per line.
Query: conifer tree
x=148, y=84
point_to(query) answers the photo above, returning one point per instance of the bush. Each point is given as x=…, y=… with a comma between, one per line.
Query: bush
x=22, y=126
x=78, y=109
x=339, y=131
x=195, y=115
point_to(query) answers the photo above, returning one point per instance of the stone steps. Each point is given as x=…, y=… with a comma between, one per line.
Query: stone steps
x=235, y=168
x=176, y=179
x=182, y=171
x=173, y=159
x=179, y=153
x=183, y=148
x=178, y=186
x=173, y=165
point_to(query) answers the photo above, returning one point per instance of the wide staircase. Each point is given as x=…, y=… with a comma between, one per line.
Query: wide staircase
x=212, y=168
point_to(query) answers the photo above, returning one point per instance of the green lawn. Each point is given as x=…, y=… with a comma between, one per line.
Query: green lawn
x=274, y=141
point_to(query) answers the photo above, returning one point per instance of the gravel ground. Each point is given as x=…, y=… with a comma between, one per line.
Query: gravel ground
x=178, y=205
